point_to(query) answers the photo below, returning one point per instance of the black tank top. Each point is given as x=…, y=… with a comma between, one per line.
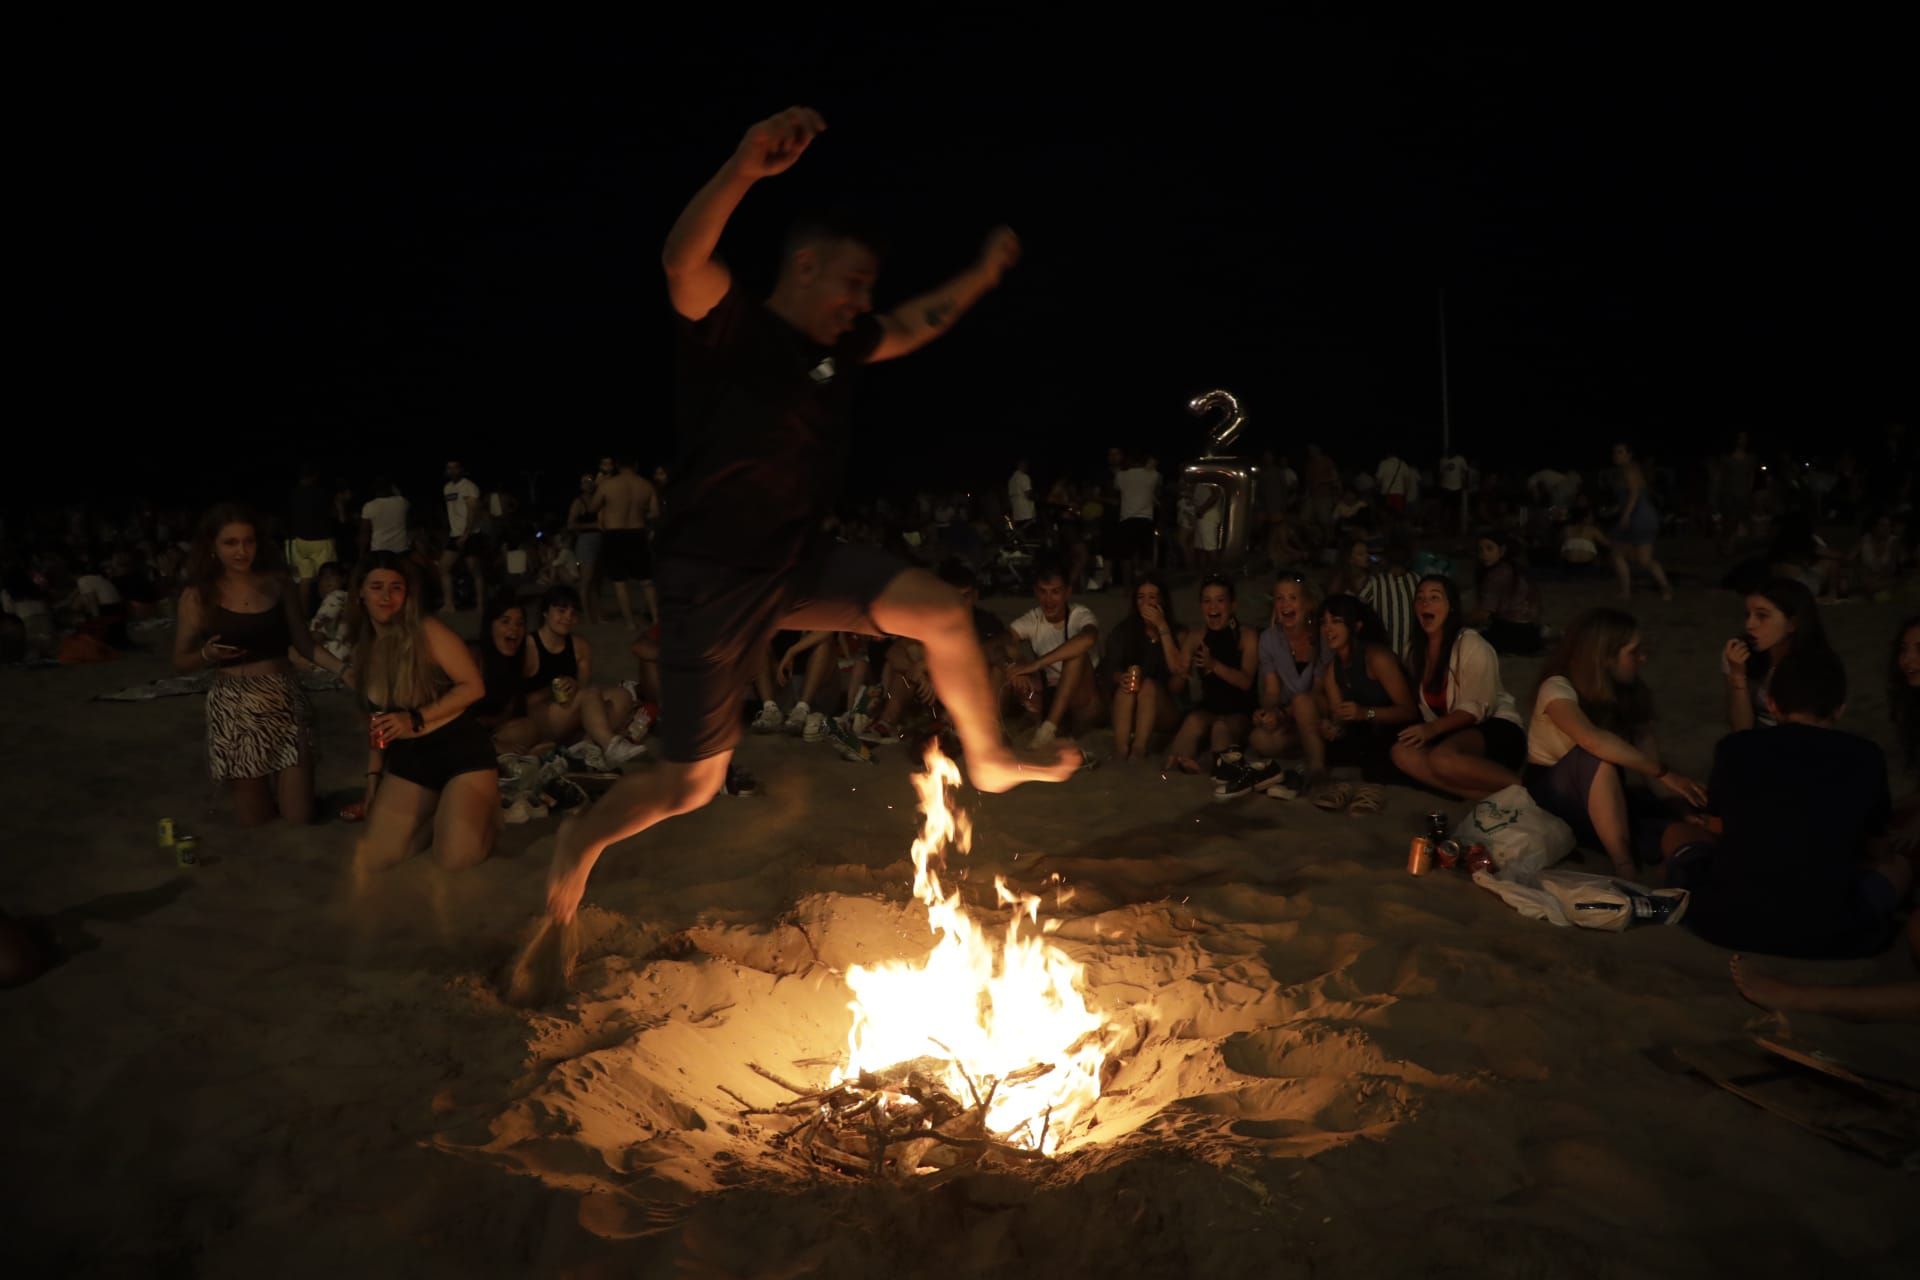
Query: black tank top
x=1358, y=684
x=1216, y=695
x=553, y=665
x=262, y=636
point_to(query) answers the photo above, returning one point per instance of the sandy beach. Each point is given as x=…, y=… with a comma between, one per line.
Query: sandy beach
x=267, y=1065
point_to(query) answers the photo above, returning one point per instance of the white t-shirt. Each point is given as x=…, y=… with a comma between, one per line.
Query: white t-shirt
x=97, y=586
x=1453, y=473
x=1137, y=486
x=457, y=492
x=1020, y=497
x=388, y=516
x=1547, y=743
x=1033, y=627
x=1397, y=479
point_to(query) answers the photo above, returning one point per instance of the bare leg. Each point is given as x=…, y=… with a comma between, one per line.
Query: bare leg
x=1881, y=1002
x=920, y=607
x=1305, y=710
x=593, y=716
x=479, y=573
x=1652, y=566
x=1072, y=693
x=819, y=667
x=1273, y=743
x=293, y=790
x=1607, y=810
x=1227, y=734
x=1623, y=572
x=653, y=601
x=252, y=800
x=399, y=809
x=629, y=807
x=1194, y=730
x=1124, y=726
x=589, y=591
x=447, y=560
x=1417, y=763
x=625, y=599
x=467, y=819
x=1465, y=772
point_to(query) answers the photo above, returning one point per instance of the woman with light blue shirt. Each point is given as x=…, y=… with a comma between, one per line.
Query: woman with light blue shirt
x=1291, y=660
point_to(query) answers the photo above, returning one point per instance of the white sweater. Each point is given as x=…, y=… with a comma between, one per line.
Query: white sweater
x=1473, y=682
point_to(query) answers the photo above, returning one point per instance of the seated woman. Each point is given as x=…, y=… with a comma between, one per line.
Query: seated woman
x=1367, y=697
x=1469, y=743
x=1141, y=653
x=562, y=700
x=1782, y=620
x=1592, y=725
x=501, y=651
x=1506, y=606
x=1226, y=656
x=240, y=616
x=1877, y=561
x=1291, y=660
x=431, y=759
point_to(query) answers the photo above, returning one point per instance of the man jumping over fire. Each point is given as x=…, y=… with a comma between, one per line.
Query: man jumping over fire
x=763, y=392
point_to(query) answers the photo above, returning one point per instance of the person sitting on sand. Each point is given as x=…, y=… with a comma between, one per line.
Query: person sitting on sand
x=1469, y=743
x=1141, y=653
x=1802, y=865
x=1365, y=688
x=1058, y=681
x=1878, y=559
x=905, y=685
x=1226, y=656
x=501, y=652
x=562, y=699
x=1291, y=660
x=1506, y=605
x=1355, y=567
x=239, y=616
x=329, y=625
x=1782, y=620
x=431, y=760
x=1582, y=540
x=1593, y=725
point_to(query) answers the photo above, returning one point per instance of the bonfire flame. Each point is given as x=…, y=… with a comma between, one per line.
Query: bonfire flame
x=991, y=1008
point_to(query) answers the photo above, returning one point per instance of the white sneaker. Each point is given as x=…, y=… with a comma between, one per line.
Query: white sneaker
x=769, y=720
x=621, y=751
x=815, y=727
x=519, y=812
x=589, y=755
x=797, y=718
x=1044, y=735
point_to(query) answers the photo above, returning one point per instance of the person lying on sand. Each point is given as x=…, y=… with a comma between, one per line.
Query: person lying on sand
x=1868, y=1002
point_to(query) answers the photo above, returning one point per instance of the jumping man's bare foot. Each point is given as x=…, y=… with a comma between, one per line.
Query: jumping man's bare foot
x=1768, y=993
x=1004, y=770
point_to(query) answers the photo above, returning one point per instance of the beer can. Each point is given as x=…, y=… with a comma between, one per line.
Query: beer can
x=1436, y=826
x=186, y=850
x=1478, y=859
x=1133, y=678
x=1447, y=854
x=166, y=833
x=1420, y=856
x=560, y=693
x=373, y=736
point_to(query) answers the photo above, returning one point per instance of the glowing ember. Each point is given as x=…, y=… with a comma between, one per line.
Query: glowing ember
x=989, y=1007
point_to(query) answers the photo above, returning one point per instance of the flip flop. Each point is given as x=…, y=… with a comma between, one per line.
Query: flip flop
x=1335, y=795
x=1367, y=801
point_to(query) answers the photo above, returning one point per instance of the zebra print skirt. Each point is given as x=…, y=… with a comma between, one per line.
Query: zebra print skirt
x=256, y=725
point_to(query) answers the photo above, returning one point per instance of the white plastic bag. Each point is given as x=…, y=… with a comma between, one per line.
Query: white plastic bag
x=1522, y=838
x=1610, y=903
x=1534, y=904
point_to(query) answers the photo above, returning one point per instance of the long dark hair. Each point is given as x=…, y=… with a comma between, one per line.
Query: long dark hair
x=1808, y=635
x=1363, y=623
x=1903, y=702
x=501, y=673
x=1449, y=632
x=203, y=559
x=1585, y=657
x=1233, y=598
x=1130, y=645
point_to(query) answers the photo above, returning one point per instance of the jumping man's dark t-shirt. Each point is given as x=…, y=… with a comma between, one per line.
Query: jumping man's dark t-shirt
x=762, y=412
x=1799, y=804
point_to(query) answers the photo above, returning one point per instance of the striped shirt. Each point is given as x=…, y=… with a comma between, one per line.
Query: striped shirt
x=1390, y=592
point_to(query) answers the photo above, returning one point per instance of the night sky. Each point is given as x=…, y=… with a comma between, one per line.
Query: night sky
x=379, y=250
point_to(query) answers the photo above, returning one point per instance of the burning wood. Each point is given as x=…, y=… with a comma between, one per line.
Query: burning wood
x=902, y=1123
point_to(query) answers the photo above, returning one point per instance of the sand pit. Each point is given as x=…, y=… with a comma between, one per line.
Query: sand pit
x=269, y=1065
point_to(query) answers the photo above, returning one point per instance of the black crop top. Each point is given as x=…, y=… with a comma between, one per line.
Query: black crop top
x=261, y=637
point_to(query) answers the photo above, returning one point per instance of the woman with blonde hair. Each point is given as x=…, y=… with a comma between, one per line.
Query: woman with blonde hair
x=240, y=616
x=1593, y=725
x=430, y=758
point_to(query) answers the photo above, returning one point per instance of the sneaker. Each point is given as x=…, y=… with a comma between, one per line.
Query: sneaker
x=622, y=751
x=844, y=741
x=815, y=728
x=739, y=782
x=769, y=720
x=586, y=753
x=1660, y=906
x=796, y=721
x=523, y=811
x=876, y=732
x=1288, y=784
x=1249, y=776
x=1044, y=735
x=1227, y=767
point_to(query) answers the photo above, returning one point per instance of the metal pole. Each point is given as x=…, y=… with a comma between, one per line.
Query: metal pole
x=1446, y=409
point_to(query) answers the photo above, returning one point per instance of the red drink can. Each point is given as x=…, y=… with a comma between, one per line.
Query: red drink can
x=1478, y=859
x=1446, y=854
x=373, y=737
x=1420, y=856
